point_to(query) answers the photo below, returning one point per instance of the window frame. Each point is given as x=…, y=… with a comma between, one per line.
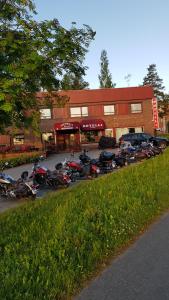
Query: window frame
x=81, y=112
x=136, y=111
x=109, y=113
x=19, y=139
x=45, y=117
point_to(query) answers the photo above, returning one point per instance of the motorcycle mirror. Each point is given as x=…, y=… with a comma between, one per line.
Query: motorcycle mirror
x=24, y=175
x=58, y=166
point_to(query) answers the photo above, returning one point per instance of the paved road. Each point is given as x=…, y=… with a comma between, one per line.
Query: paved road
x=140, y=273
x=50, y=163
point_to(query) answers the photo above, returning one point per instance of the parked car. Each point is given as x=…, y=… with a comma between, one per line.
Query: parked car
x=107, y=142
x=138, y=138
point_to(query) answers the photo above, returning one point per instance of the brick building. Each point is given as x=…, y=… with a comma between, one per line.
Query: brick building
x=89, y=114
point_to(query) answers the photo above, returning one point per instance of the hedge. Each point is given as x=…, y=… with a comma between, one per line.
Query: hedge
x=17, y=161
x=48, y=248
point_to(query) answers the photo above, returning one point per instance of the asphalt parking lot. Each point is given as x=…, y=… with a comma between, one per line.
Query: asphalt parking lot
x=50, y=163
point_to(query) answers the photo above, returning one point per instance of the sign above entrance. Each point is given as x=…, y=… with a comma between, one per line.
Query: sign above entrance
x=67, y=126
x=87, y=125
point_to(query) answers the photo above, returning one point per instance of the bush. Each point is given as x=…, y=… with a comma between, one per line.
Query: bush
x=49, y=247
x=17, y=161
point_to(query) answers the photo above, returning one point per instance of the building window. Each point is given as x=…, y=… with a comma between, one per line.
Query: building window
x=135, y=130
x=136, y=108
x=79, y=111
x=90, y=136
x=18, y=139
x=131, y=130
x=108, y=110
x=109, y=132
x=45, y=113
x=47, y=136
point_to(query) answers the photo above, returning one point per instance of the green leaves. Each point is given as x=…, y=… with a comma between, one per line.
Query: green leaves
x=7, y=107
x=17, y=161
x=35, y=55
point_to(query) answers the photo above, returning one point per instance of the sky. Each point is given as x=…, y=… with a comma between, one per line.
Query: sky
x=133, y=32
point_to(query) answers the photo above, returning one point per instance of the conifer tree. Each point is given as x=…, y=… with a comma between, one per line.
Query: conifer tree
x=105, y=77
x=152, y=78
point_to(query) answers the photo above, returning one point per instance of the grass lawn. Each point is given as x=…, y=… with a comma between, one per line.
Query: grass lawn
x=48, y=248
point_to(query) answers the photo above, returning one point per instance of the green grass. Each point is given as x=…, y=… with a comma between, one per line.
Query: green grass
x=48, y=248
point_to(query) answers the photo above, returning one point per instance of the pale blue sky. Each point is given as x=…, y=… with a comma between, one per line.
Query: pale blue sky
x=135, y=33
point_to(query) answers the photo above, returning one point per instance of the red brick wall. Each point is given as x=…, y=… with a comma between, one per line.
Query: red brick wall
x=122, y=108
x=95, y=111
x=5, y=140
x=121, y=119
x=60, y=113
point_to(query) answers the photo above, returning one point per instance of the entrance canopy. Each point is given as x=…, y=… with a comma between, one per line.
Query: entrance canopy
x=67, y=126
x=87, y=125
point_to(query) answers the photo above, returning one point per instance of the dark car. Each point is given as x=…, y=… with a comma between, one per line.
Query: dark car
x=138, y=138
x=107, y=142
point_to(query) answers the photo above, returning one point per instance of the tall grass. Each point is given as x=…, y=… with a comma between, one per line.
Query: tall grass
x=48, y=248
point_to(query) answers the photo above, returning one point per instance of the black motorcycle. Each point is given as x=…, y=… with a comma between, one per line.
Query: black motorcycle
x=105, y=162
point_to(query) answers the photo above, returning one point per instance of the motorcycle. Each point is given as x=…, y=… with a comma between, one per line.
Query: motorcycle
x=84, y=168
x=153, y=150
x=12, y=189
x=106, y=162
x=44, y=177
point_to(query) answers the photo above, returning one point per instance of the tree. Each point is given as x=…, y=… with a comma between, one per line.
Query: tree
x=105, y=77
x=34, y=56
x=163, y=105
x=71, y=81
x=152, y=78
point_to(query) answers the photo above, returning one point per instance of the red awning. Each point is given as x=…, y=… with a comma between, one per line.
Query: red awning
x=87, y=125
x=67, y=126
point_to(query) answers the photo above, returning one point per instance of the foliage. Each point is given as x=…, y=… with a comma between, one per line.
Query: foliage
x=163, y=104
x=20, y=160
x=152, y=78
x=71, y=81
x=165, y=135
x=105, y=77
x=33, y=57
x=49, y=247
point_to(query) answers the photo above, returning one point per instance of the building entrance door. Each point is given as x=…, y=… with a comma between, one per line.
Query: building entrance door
x=62, y=142
x=68, y=141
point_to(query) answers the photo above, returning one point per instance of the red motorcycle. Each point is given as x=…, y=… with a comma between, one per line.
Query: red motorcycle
x=83, y=169
x=43, y=176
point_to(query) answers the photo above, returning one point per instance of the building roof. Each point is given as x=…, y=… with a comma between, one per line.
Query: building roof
x=108, y=94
